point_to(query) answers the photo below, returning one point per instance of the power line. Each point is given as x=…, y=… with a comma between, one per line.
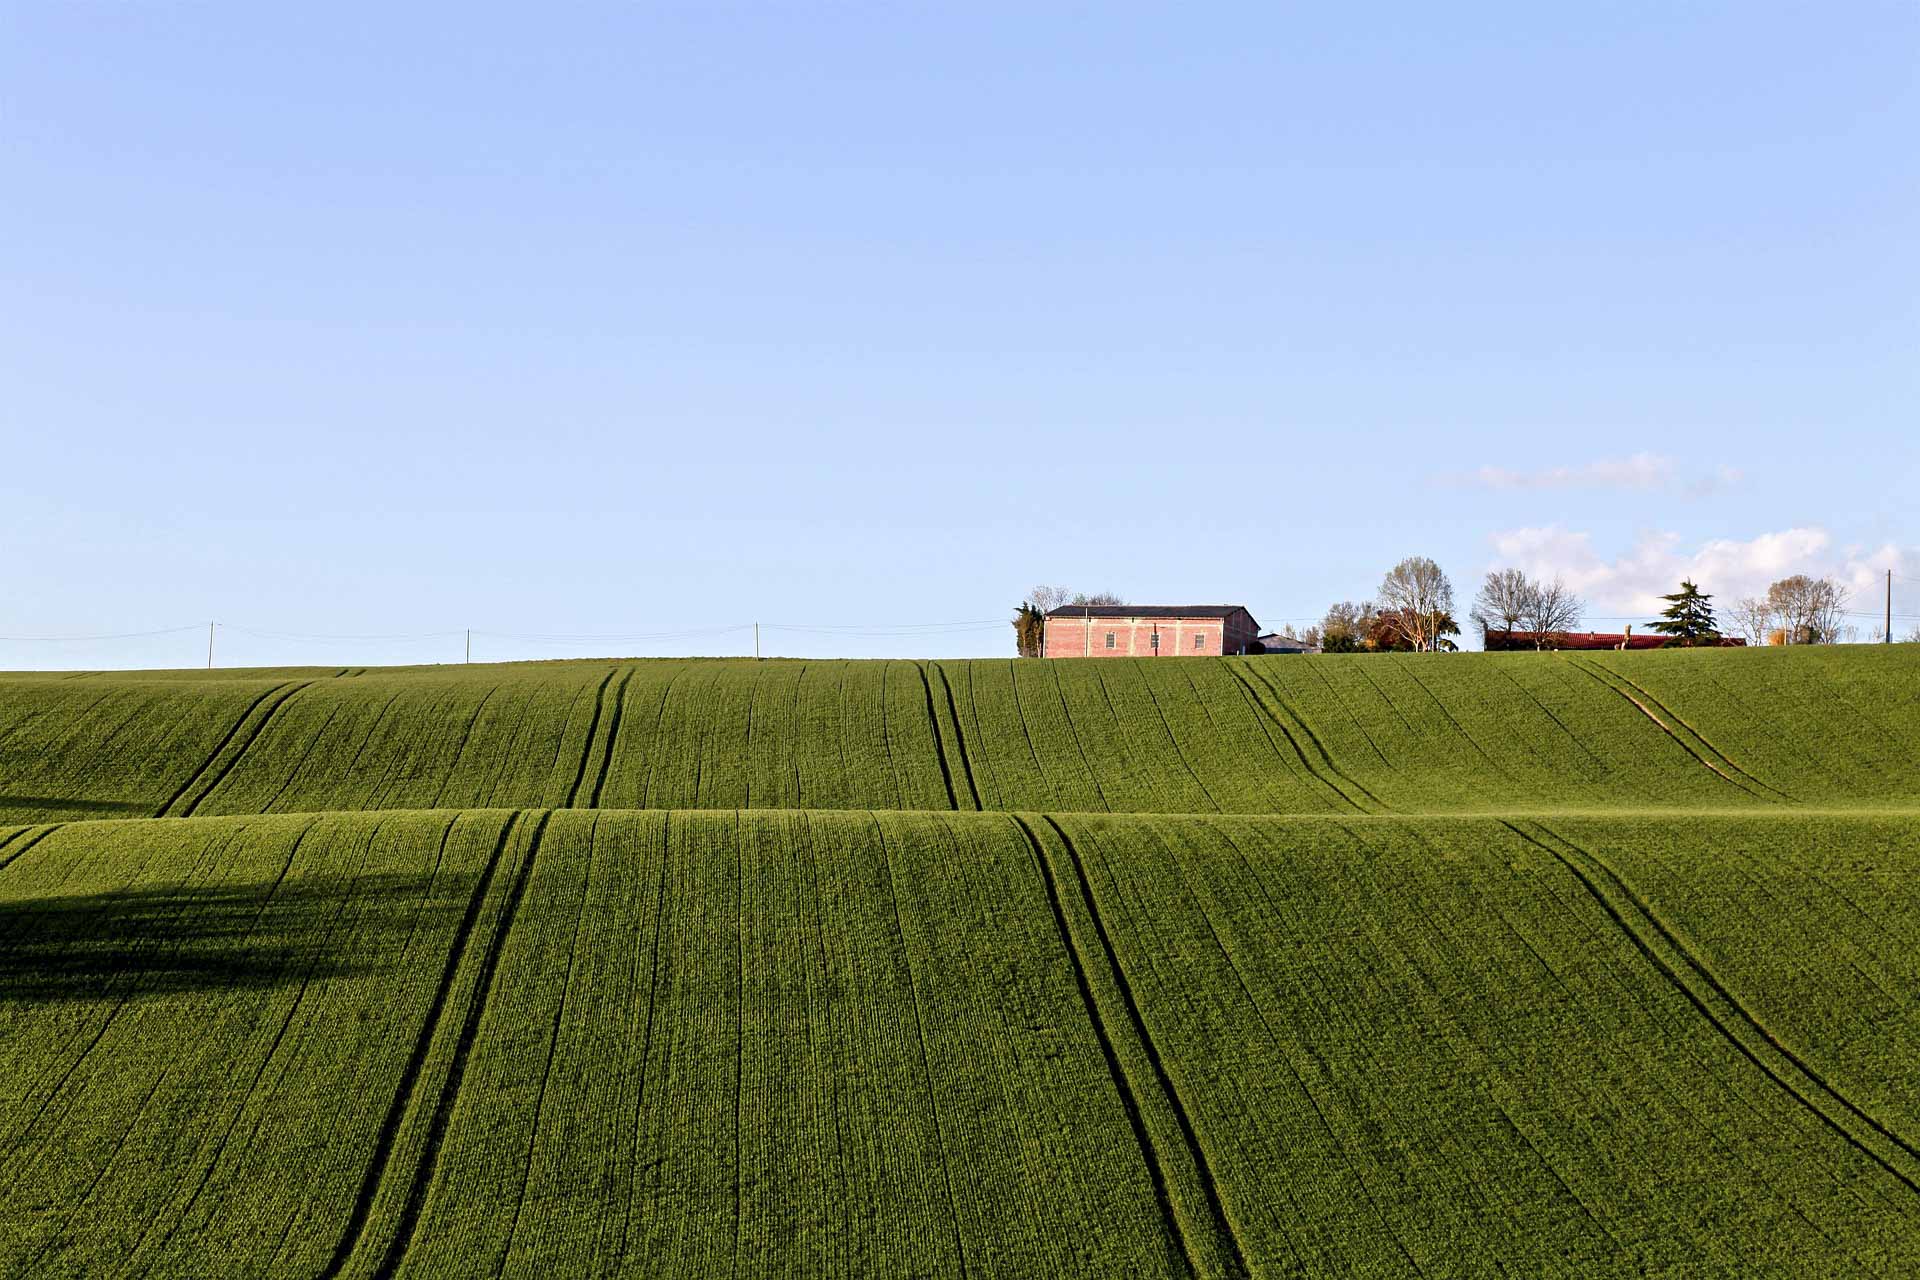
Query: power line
x=303, y=635
x=538, y=637
x=123, y=635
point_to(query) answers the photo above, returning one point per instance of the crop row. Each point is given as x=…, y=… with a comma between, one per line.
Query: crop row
x=1485, y=733
x=654, y=1043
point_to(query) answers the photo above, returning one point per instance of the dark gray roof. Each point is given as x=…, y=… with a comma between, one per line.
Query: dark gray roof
x=1147, y=610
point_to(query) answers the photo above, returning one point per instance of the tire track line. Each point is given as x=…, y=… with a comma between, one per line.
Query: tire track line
x=1669, y=953
x=390, y=1127
x=939, y=742
x=31, y=841
x=953, y=711
x=1704, y=741
x=240, y=749
x=613, y=737
x=593, y=731
x=1326, y=756
x=1273, y=716
x=1594, y=672
x=960, y=736
x=553, y=1043
x=1217, y=1223
x=1129, y=1102
x=1340, y=699
x=207, y=764
x=463, y=1049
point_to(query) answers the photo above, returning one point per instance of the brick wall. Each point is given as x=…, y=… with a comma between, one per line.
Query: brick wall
x=1135, y=638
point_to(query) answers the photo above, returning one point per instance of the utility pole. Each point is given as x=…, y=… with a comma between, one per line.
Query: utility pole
x=756, y=642
x=1086, y=630
x=469, y=644
x=1888, y=638
x=209, y=646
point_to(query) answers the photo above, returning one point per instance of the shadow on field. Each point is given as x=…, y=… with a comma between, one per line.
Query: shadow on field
x=69, y=804
x=168, y=939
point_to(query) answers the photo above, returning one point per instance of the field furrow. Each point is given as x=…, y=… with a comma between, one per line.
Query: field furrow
x=1418, y=965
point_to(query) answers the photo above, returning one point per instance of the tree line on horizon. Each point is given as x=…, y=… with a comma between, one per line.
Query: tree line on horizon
x=1413, y=612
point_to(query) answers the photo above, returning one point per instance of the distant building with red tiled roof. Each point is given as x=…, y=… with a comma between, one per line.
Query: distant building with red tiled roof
x=1498, y=640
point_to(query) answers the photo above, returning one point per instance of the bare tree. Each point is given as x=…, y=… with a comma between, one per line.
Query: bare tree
x=1809, y=609
x=1551, y=610
x=1752, y=618
x=1418, y=596
x=1047, y=599
x=1503, y=602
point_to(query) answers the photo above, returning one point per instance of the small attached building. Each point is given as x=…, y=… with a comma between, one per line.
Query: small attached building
x=1149, y=630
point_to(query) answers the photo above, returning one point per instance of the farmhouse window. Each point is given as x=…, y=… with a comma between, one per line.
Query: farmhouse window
x=1154, y=641
x=1109, y=639
x=1199, y=642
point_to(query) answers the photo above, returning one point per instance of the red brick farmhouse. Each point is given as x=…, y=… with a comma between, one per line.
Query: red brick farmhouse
x=1149, y=630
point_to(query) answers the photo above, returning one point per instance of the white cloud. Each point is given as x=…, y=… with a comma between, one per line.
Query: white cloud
x=1630, y=585
x=1641, y=473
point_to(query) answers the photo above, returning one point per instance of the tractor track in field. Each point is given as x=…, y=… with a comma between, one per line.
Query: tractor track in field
x=953, y=712
x=960, y=736
x=389, y=1133
x=7, y=859
x=613, y=738
x=1704, y=741
x=1709, y=756
x=553, y=1038
x=1220, y=1225
x=423, y=1175
x=165, y=810
x=1268, y=714
x=939, y=739
x=1667, y=951
x=1319, y=747
x=593, y=733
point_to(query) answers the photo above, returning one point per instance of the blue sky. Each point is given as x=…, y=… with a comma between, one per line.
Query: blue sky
x=629, y=320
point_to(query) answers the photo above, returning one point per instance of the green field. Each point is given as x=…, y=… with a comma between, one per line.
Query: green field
x=1512, y=964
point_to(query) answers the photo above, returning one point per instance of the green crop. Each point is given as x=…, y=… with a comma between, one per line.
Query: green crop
x=1533, y=964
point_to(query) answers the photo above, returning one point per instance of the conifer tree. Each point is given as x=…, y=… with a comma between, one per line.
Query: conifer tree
x=1688, y=620
x=1029, y=630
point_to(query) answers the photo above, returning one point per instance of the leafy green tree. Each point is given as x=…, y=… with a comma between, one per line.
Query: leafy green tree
x=1688, y=619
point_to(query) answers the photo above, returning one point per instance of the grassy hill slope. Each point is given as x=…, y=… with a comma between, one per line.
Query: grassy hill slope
x=1491, y=964
x=1474, y=733
x=854, y=1044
